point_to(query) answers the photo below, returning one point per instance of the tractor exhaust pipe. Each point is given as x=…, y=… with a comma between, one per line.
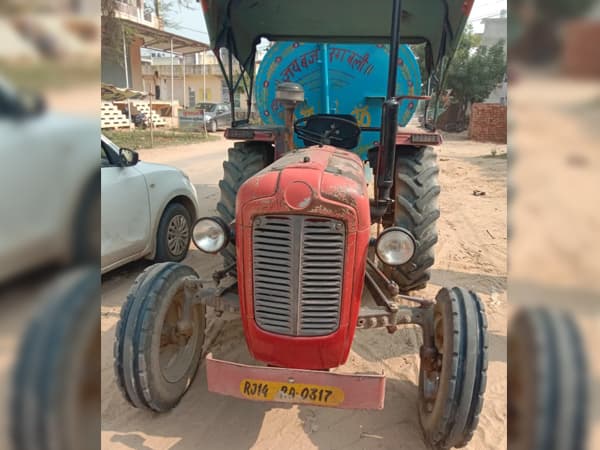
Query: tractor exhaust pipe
x=389, y=123
x=394, y=44
x=289, y=95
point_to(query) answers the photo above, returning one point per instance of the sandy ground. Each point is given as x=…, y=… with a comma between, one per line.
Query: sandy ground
x=471, y=252
x=554, y=215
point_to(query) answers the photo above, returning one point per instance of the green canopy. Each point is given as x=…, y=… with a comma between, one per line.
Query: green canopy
x=239, y=24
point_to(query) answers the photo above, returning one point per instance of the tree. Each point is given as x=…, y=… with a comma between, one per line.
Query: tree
x=474, y=71
x=114, y=30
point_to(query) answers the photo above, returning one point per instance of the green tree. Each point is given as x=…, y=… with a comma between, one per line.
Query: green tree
x=474, y=71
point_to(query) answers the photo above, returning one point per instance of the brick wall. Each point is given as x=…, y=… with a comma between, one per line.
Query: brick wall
x=580, y=48
x=488, y=122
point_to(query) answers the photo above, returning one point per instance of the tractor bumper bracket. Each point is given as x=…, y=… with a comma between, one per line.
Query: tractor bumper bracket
x=298, y=386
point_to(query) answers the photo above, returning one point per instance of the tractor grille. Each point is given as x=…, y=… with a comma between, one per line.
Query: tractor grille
x=298, y=267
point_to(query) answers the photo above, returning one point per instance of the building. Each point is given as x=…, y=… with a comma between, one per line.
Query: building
x=143, y=35
x=203, y=80
x=494, y=32
x=135, y=11
x=173, y=68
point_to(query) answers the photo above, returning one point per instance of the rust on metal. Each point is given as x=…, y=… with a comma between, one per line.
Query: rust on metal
x=380, y=317
x=275, y=384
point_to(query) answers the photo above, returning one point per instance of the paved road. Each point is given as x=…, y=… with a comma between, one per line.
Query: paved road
x=203, y=163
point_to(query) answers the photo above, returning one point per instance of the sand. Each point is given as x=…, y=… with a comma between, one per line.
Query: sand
x=472, y=252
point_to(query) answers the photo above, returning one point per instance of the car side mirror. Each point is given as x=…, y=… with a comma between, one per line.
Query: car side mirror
x=28, y=105
x=128, y=157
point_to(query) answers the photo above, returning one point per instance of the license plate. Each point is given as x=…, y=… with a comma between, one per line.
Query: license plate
x=291, y=392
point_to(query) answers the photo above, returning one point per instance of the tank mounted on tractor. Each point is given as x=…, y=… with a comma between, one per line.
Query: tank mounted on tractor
x=302, y=233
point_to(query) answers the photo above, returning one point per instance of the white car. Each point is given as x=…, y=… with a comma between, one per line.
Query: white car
x=148, y=210
x=50, y=181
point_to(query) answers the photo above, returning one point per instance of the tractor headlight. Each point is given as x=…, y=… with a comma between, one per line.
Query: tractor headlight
x=395, y=246
x=210, y=234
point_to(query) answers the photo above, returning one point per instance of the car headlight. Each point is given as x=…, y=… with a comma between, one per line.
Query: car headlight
x=395, y=246
x=210, y=234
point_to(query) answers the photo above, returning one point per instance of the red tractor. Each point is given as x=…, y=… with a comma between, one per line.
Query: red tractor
x=296, y=229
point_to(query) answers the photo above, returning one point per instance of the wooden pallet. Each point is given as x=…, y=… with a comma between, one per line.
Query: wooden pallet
x=112, y=117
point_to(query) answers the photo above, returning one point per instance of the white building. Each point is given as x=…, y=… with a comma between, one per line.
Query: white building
x=495, y=31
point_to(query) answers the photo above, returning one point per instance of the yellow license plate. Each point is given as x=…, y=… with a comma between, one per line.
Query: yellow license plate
x=291, y=392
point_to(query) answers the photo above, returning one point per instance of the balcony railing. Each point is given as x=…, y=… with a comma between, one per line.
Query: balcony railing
x=127, y=9
x=165, y=70
x=135, y=14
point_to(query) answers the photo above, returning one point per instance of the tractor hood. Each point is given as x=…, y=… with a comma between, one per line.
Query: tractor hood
x=239, y=24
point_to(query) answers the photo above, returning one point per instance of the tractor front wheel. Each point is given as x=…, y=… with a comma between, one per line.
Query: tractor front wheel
x=155, y=356
x=548, y=381
x=451, y=386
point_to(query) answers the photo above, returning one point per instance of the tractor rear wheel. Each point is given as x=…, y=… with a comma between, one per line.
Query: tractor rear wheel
x=451, y=387
x=155, y=356
x=416, y=210
x=245, y=160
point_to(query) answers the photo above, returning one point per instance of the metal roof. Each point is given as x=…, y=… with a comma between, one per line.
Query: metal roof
x=155, y=39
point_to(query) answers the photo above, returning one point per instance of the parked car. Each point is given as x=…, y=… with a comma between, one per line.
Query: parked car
x=147, y=209
x=50, y=180
x=216, y=115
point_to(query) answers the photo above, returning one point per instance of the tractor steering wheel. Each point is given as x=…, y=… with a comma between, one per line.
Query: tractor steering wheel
x=339, y=130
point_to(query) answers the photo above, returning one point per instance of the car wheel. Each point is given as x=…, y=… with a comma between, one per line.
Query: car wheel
x=212, y=126
x=174, y=232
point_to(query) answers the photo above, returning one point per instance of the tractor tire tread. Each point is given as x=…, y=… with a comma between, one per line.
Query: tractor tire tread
x=245, y=159
x=135, y=329
x=416, y=209
x=467, y=376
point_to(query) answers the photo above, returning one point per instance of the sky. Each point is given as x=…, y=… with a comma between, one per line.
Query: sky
x=190, y=22
x=484, y=9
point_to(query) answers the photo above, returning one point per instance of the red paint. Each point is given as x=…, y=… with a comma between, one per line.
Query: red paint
x=404, y=137
x=205, y=6
x=298, y=195
x=362, y=391
x=467, y=6
x=339, y=191
x=263, y=136
x=249, y=134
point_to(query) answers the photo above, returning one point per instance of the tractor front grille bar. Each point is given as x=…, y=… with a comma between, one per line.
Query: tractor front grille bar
x=298, y=265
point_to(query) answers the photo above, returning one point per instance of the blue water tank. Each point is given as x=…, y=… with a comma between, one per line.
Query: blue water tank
x=337, y=79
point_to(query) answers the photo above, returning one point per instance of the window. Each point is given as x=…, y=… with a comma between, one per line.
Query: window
x=192, y=96
x=224, y=92
x=104, y=161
